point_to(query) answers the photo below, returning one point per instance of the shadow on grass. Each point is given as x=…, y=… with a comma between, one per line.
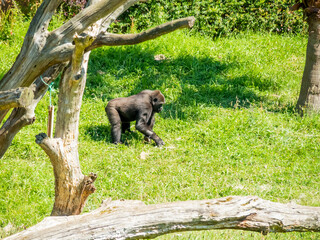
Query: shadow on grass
x=99, y=132
x=103, y=133
x=191, y=81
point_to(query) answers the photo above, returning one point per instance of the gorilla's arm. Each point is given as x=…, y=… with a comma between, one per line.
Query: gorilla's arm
x=145, y=128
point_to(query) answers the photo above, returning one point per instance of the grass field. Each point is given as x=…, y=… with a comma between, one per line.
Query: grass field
x=229, y=125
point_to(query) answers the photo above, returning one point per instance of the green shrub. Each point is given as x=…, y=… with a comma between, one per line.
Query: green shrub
x=72, y=7
x=28, y=7
x=10, y=24
x=216, y=17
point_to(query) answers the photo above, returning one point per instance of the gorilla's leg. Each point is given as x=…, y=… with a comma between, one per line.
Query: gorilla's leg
x=150, y=125
x=115, y=121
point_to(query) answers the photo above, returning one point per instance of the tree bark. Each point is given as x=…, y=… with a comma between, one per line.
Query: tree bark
x=19, y=97
x=135, y=220
x=72, y=188
x=309, y=97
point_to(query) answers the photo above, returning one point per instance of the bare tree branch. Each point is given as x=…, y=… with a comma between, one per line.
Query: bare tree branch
x=108, y=39
x=19, y=97
x=40, y=21
x=42, y=50
x=72, y=188
x=134, y=220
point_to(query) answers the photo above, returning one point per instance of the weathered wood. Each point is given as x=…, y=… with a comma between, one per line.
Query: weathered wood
x=134, y=220
x=19, y=97
x=72, y=188
x=108, y=39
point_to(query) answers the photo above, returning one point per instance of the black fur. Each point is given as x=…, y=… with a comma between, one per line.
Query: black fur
x=140, y=108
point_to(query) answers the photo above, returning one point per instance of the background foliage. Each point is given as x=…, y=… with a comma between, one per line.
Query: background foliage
x=216, y=17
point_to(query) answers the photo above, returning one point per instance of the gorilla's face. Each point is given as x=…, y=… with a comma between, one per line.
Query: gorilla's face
x=157, y=105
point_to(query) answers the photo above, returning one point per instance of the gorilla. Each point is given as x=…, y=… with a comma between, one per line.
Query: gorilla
x=140, y=108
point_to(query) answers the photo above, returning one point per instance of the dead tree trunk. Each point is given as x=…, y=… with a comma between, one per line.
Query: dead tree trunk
x=309, y=97
x=72, y=188
x=135, y=220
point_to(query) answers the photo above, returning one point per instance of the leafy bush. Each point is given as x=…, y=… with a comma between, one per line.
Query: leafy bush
x=10, y=24
x=216, y=17
x=28, y=7
x=72, y=7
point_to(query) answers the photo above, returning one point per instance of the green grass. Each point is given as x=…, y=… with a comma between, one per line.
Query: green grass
x=229, y=126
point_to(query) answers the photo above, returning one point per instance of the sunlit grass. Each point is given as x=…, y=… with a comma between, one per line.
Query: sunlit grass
x=229, y=126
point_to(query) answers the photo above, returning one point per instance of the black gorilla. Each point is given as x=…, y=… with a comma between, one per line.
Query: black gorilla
x=140, y=108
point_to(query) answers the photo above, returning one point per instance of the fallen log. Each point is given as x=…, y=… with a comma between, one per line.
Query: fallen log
x=134, y=220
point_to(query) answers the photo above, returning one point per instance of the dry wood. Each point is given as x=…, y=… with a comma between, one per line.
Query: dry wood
x=19, y=97
x=72, y=188
x=108, y=39
x=135, y=220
